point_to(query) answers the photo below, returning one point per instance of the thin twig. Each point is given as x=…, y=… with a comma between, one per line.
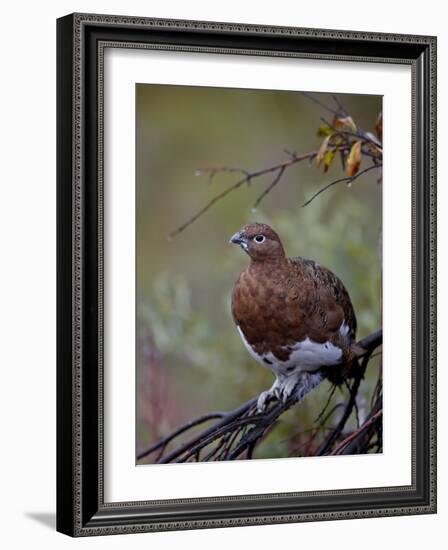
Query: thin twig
x=320, y=103
x=191, y=424
x=348, y=409
x=212, y=172
x=355, y=404
x=229, y=417
x=325, y=407
x=346, y=179
x=270, y=187
x=367, y=424
x=338, y=102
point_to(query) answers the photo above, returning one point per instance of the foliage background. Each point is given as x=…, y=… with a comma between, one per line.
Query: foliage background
x=190, y=359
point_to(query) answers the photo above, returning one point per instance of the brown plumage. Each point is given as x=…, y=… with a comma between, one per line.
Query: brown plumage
x=293, y=315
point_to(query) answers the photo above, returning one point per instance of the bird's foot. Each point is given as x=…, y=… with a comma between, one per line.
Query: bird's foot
x=275, y=392
x=288, y=386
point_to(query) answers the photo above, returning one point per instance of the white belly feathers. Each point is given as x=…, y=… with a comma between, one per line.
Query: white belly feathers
x=306, y=356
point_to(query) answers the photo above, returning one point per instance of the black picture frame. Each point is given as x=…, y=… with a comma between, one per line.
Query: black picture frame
x=81, y=510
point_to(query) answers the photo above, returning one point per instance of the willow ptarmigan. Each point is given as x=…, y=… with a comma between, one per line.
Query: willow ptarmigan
x=294, y=316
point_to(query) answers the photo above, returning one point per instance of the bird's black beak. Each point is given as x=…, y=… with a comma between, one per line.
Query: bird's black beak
x=238, y=238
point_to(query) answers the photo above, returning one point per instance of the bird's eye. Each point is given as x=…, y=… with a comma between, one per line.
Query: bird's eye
x=259, y=239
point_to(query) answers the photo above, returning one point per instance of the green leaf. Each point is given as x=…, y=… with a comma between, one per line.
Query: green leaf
x=328, y=159
x=325, y=130
x=323, y=149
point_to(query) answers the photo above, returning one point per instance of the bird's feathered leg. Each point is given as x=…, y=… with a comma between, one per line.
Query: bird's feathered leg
x=298, y=383
x=307, y=382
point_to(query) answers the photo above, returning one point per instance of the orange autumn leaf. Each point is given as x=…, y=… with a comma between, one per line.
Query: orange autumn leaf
x=354, y=159
x=379, y=126
x=344, y=123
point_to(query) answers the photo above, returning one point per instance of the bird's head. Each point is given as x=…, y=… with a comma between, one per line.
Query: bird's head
x=260, y=241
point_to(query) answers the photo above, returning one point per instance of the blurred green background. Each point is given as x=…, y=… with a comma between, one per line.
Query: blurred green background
x=190, y=359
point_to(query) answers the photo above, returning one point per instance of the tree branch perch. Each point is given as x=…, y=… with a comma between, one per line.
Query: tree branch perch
x=239, y=431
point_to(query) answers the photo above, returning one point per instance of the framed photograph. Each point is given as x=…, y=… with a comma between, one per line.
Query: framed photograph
x=246, y=274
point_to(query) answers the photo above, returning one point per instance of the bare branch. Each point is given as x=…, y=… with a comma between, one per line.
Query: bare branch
x=227, y=419
x=354, y=435
x=191, y=424
x=371, y=147
x=203, y=210
x=248, y=177
x=239, y=431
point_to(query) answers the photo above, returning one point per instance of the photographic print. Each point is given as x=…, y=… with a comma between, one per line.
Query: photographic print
x=231, y=246
x=258, y=271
